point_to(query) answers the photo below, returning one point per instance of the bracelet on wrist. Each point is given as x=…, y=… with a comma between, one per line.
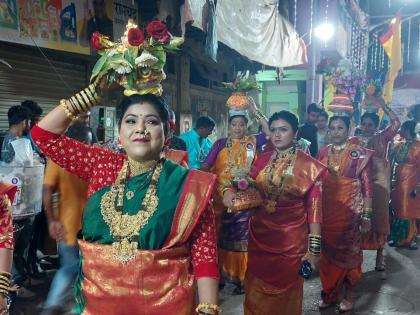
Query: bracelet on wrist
x=314, y=244
x=69, y=113
x=367, y=214
x=202, y=307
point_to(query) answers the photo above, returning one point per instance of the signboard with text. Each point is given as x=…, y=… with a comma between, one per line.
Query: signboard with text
x=65, y=25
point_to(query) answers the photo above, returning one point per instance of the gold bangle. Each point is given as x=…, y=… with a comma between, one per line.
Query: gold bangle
x=4, y=287
x=68, y=113
x=4, y=280
x=208, y=306
x=86, y=100
x=86, y=93
x=77, y=105
x=73, y=107
x=82, y=104
x=225, y=190
x=259, y=115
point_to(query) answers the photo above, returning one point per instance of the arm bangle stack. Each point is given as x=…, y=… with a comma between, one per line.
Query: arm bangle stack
x=208, y=306
x=4, y=283
x=367, y=214
x=260, y=116
x=315, y=244
x=81, y=102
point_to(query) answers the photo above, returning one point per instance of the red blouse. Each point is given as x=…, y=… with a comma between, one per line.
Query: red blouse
x=99, y=167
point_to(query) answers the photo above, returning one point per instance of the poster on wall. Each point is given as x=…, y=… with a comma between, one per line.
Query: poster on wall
x=65, y=25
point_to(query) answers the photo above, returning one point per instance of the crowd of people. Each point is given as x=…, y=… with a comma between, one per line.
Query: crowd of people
x=165, y=213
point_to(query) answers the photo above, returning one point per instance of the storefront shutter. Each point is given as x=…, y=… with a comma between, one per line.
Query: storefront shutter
x=32, y=78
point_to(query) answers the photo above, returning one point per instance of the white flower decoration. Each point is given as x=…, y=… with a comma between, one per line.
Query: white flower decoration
x=146, y=59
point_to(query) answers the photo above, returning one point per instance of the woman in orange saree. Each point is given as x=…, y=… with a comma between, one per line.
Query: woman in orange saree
x=379, y=142
x=405, y=195
x=231, y=158
x=291, y=182
x=347, y=206
x=148, y=236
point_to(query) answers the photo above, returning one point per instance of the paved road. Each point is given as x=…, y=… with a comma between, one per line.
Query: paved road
x=394, y=292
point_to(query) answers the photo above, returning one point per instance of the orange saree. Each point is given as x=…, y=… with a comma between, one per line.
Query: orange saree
x=278, y=235
x=381, y=185
x=405, y=195
x=348, y=183
x=178, y=157
x=405, y=199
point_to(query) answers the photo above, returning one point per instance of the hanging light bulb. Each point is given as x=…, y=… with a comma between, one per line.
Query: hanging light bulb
x=325, y=31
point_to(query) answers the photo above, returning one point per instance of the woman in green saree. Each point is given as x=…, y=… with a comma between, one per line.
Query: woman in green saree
x=148, y=226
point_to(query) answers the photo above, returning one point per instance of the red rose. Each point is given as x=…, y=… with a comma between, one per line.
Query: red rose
x=158, y=31
x=135, y=36
x=95, y=41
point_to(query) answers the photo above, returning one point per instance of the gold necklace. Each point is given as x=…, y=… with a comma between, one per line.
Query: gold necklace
x=136, y=168
x=233, y=163
x=125, y=229
x=274, y=190
x=140, y=167
x=340, y=149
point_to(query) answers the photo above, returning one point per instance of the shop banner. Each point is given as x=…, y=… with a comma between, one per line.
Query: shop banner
x=63, y=24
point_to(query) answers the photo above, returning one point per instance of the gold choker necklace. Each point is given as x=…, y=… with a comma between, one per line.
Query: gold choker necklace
x=339, y=147
x=286, y=152
x=137, y=168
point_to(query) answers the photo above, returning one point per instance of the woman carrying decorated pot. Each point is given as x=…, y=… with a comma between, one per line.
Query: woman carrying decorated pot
x=278, y=252
x=148, y=225
x=230, y=159
x=346, y=210
x=379, y=142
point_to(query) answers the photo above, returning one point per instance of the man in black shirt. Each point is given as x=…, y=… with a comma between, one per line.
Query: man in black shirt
x=96, y=22
x=308, y=130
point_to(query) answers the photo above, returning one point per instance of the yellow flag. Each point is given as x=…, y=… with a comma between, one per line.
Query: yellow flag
x=391, y=42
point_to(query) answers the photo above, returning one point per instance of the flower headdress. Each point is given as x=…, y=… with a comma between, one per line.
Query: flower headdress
x=136, y=61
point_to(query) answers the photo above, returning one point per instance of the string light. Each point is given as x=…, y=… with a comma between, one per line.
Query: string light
x=409, y=40
x=311, y=24
x=382, y=57
x=326, y=11
x=402, y=59
x=375, y=50
x=418, y=41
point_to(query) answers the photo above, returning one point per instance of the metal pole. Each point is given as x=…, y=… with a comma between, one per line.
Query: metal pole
x=311, y=69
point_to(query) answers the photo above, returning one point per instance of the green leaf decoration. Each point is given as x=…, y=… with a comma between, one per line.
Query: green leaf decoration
x=98, y=66
x=243, y=82
x=160, y=54
x=131, y=80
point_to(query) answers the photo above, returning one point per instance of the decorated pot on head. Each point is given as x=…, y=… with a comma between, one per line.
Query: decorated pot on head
x=341, y=105
x=373, y=91
x=243, y=83
x=136, y=61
